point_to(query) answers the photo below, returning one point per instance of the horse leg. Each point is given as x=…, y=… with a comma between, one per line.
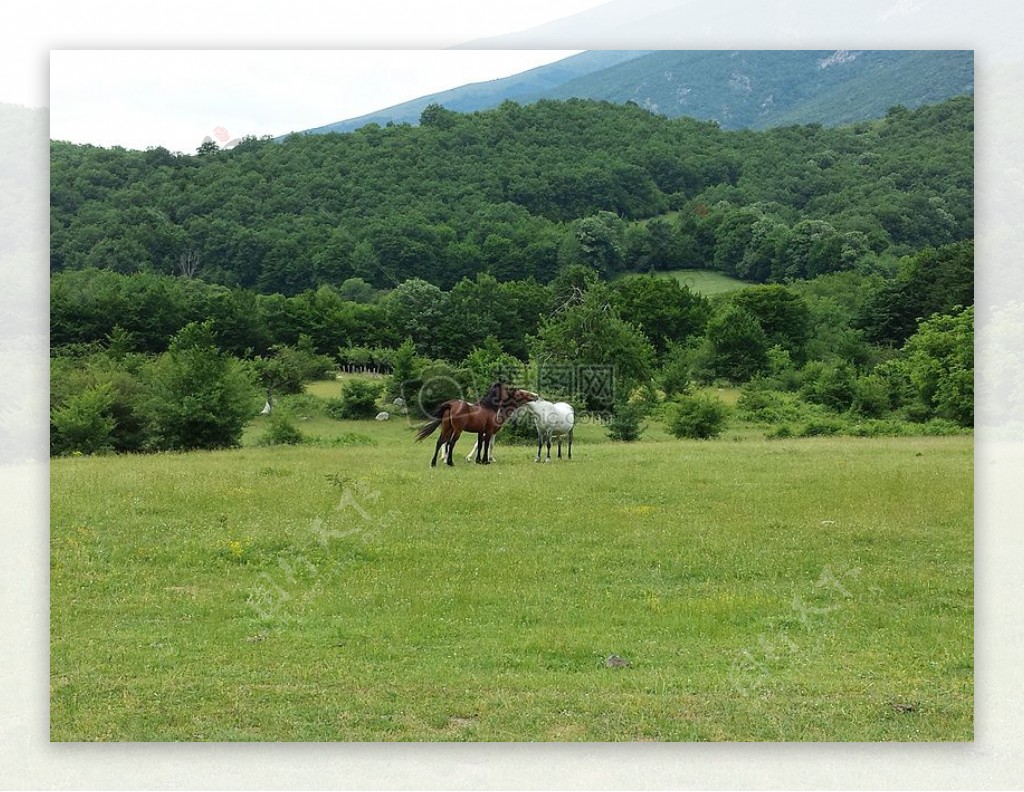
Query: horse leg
x=540, y=445
x=487, y=448
x=549, y=449
x=481, y=446
x=570, y=443
x=451, y=446
x=559, y=446
x=437, y=448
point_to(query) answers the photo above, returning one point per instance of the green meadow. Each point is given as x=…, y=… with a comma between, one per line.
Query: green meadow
x=702, y=281
x=812, y=589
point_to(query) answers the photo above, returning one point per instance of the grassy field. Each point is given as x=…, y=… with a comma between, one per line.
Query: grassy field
x=703, y=281
x=815, y=589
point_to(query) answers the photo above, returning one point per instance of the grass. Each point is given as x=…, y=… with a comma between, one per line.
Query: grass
x=814, y=589
x=703, y=281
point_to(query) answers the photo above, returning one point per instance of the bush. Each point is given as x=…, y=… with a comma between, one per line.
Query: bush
x=281, y=431
x=72, y=378
x=434, y=383
x=292, y=367
x=358, y=400
x=699, y=416
x=199, y=397
x=84, y=424
x=759, y=402
x=677, y=369
x=300, y=405
x=624, y=425
x=831, y=385
x=870, y=396
x=822, y=427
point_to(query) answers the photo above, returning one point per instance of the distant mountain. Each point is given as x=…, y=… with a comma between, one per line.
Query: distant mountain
x=525, y=87
x=738, y=89
x=759, y=88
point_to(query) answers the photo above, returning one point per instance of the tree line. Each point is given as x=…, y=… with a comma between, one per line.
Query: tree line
x=130, y=352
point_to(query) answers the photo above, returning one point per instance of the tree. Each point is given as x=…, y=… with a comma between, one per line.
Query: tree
x=417, y=310
x=934, y=280
x=188, y=263
x=663, y=308
x=571, y=284
x=488, y=363
x=813, y=247
x=782, y=313
x=199, y=397
x=939, y=359
x=738, y=344
x=604, y=354
x=357, y=290
x=600, y=243
x=733, y=238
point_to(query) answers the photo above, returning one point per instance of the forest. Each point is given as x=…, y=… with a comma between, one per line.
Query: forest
x=514, y=239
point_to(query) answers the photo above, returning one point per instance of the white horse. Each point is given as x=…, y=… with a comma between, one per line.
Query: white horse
x=553, y=420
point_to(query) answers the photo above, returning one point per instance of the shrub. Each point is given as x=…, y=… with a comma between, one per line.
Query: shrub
x=299, y=405
x=831, y=385
x=84, y=424
x=358, y=400
x=699, y=416
x=870, y=396
x=72, y=378
x=281, y=431
x=761, y=403
x=291, y=367
x=822, y=427
x=199, y=397
x=677, y=369
x=625, y=423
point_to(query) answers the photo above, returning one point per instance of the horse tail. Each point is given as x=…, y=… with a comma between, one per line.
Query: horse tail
x=428, y=428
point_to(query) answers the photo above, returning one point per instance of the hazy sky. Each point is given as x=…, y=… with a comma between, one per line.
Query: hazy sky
x=174, y=99
x=198, y=65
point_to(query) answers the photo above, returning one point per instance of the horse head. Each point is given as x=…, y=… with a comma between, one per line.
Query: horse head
x=519, y=396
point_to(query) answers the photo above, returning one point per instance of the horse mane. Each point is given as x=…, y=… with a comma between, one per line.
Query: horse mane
x=494, y=397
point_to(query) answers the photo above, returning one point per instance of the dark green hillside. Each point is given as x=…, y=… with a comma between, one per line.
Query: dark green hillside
x=521, y=192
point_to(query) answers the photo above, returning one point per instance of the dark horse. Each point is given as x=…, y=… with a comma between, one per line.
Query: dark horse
x=486, y=418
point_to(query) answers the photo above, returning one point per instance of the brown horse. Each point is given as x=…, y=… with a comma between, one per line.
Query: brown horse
x=485, y=417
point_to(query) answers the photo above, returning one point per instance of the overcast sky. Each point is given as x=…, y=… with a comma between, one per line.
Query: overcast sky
x=174, y=99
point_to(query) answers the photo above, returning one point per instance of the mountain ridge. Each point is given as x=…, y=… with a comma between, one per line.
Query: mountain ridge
x=737, y=89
